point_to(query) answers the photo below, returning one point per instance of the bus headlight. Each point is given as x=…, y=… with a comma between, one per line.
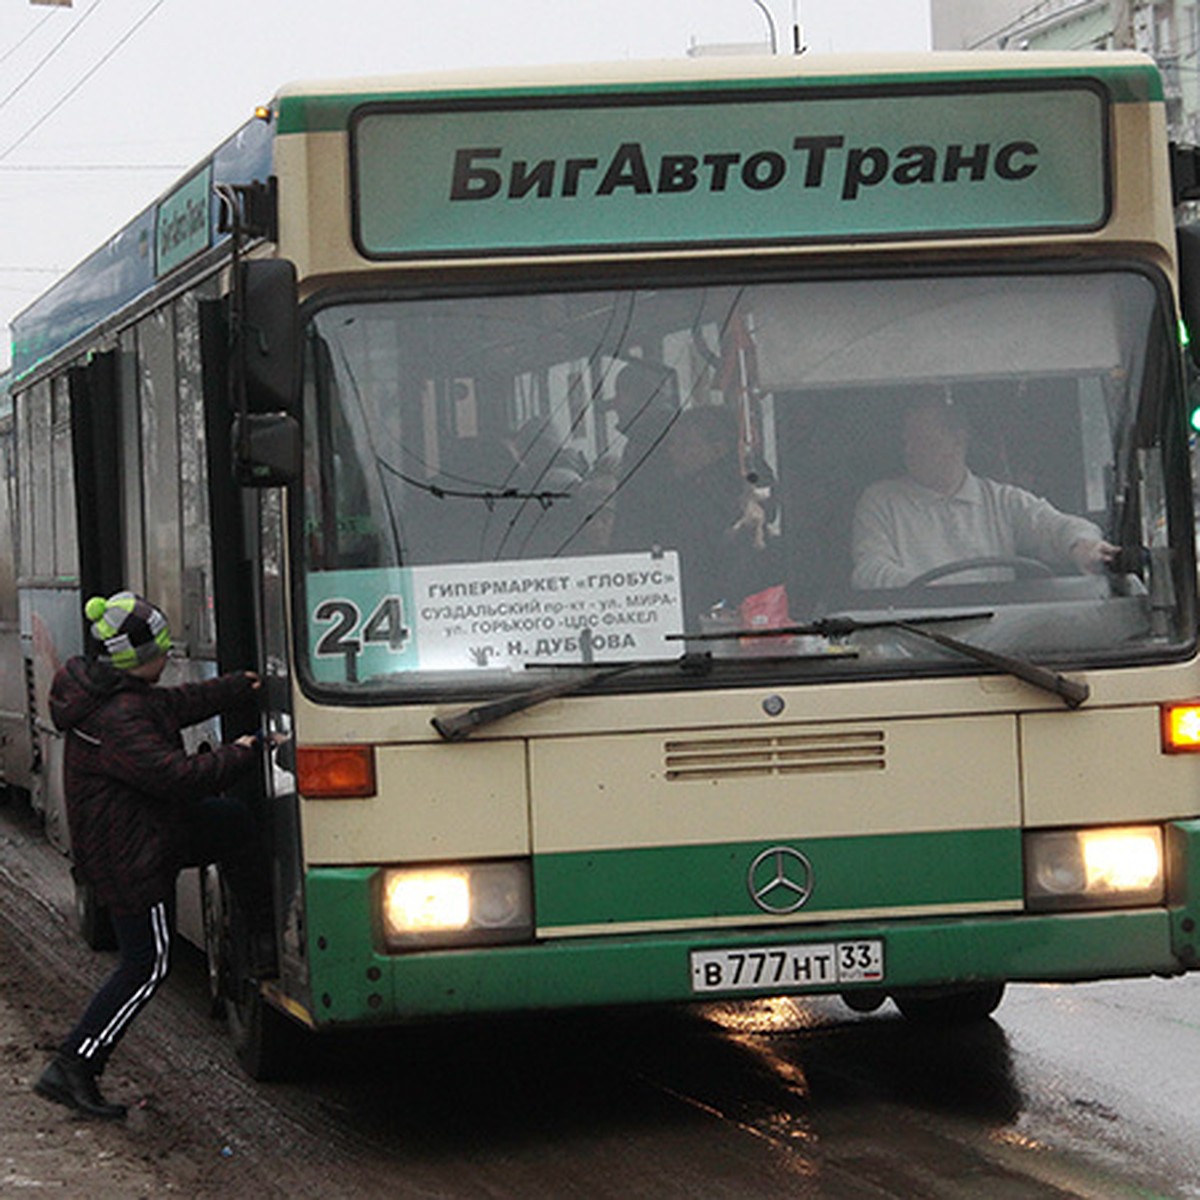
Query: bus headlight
x=1094, y=868
x=458, y=904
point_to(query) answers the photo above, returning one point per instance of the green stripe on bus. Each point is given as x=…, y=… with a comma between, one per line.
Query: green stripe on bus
x=326, y=114
x=673, y=883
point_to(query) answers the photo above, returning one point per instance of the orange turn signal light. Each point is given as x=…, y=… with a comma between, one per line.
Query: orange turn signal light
x=1181, y=728
x=335, y=772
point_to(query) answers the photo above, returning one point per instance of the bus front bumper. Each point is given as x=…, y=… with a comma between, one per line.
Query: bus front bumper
x=352, y=980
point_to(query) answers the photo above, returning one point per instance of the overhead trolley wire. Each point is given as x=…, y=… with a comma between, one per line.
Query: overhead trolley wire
x=62, y=41
x=21, y=41
x=85, y=76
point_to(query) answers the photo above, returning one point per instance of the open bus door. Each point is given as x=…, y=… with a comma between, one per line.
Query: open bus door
x=253, y=452
x=97, y=462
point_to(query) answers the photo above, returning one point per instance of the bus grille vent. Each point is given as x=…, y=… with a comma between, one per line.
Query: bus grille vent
x=788, y=754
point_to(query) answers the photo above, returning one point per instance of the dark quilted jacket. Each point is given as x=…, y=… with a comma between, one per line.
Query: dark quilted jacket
x=128, y=779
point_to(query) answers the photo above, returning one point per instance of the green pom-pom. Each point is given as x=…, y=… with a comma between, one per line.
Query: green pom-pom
x=95, y=608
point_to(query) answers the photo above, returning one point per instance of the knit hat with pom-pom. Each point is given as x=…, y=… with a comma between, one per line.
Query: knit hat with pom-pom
x=130, y=628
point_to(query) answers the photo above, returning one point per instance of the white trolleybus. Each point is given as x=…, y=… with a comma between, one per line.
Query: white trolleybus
x=708, y=529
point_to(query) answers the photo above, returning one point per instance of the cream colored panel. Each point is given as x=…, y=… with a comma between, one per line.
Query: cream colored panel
x=314, y=218
x=434, y=802
x=1140, y=209
x=810, y=780
x=1094, y=766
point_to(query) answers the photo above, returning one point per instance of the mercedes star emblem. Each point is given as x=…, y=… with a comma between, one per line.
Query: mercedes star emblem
x=780, y=880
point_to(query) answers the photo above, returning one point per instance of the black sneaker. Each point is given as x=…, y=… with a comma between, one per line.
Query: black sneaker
x=69, y=1081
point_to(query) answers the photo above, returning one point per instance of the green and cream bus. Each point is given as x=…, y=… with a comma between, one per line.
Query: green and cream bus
x=516, y=427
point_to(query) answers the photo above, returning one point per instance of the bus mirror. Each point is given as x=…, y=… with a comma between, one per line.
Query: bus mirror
x=266, y=449
x=271, y=334
x=1185, y=173
x=1188, y=240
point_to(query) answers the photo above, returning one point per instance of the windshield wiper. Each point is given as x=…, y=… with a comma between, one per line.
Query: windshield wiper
x=1073, y=692
x=460, y=725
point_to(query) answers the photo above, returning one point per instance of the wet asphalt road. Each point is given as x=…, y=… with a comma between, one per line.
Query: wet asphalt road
x=1091, y=1090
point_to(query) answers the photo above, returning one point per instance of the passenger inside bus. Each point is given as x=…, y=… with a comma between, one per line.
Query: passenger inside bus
x=541, y=478
x=646, y=403
x=918, y=527
x=704, y=508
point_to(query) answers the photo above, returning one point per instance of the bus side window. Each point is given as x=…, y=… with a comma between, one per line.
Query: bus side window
x=339, y=516
x=159, y=388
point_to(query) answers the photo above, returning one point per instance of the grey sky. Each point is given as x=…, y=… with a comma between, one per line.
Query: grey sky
x=129, y=93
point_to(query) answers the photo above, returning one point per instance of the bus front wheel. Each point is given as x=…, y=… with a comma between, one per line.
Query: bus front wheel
x=265, y=1042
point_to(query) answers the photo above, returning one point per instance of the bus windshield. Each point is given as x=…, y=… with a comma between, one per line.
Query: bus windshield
x=506, y=481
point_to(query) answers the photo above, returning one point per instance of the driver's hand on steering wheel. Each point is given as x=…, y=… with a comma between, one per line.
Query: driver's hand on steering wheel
x=1092, y=555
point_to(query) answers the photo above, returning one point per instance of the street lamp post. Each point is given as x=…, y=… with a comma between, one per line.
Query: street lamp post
x=766, y=12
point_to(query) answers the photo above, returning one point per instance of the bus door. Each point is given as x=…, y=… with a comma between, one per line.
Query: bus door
x=250, y=589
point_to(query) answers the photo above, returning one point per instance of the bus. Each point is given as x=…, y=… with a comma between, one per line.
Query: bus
x=531, y=432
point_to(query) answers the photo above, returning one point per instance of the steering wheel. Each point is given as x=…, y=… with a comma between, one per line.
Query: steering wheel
x=1022, y=568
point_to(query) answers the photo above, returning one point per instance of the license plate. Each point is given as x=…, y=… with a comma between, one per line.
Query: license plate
x=787, y=968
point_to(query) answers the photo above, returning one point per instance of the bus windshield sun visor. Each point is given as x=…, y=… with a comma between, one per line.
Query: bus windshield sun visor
x=1073, y=692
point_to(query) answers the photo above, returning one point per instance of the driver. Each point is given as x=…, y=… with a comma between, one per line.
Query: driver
x=940, y=513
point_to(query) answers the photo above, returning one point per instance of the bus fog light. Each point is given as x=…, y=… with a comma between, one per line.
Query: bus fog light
x=1094, y=868
x=456, y=905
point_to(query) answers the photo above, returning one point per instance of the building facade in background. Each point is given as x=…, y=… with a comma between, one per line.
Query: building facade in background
x=1167, y=29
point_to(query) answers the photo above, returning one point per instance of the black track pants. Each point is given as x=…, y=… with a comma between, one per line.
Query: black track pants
x=144, y=942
